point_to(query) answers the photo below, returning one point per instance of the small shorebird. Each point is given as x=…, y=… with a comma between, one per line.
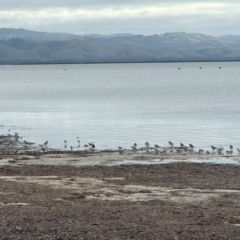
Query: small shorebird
x=135, y=145
x=85, y=145
x=164, y=151
x=220, y=150
x=229, y=152
x=121, y=151
x=134, y=148
x=91, y=149
x=92, y=145
x=147, y=144
x=16, y=137
x=191, y=146
x=238, y=150
x=156, y=151
x=120, y=148
x=231, y=147
x=46, y=143
x=213, y=148
x=71, y=147
x=182, y=145
x=171, y=144
x=156, y=146
x=200, y=151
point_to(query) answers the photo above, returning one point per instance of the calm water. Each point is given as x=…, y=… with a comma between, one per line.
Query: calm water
x=119, y=104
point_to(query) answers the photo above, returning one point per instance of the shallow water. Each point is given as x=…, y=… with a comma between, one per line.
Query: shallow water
x=168, y=161
x=119, y=104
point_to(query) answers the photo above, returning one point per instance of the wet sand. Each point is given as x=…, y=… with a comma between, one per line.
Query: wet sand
x=82, y=195
x=90, y=194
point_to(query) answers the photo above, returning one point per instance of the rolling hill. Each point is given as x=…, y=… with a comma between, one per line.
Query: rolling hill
x=24, y=46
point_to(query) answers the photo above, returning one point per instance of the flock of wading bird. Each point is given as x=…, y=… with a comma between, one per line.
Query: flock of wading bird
x=179, y=150
x=14, y=144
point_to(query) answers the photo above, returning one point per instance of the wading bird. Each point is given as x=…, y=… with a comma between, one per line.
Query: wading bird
x=191, y=146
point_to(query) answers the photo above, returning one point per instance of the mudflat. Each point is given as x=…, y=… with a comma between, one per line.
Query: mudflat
x=86, y=196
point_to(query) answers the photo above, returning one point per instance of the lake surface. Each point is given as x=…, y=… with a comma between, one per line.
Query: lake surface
x=118, y=104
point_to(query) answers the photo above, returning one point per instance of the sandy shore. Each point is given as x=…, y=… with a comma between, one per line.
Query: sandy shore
x=95, y=196
x=83, y=194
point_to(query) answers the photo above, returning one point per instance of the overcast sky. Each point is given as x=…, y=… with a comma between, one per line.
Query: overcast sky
x=147, y=17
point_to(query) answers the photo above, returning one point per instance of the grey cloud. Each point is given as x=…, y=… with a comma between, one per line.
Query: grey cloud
x=212, y=21
x=200, y=24
x=43, y=4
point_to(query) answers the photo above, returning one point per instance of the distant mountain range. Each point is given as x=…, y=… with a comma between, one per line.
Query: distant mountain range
x=20, y=46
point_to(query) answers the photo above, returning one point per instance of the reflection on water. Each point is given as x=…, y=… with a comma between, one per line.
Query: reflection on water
x=119, y=104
